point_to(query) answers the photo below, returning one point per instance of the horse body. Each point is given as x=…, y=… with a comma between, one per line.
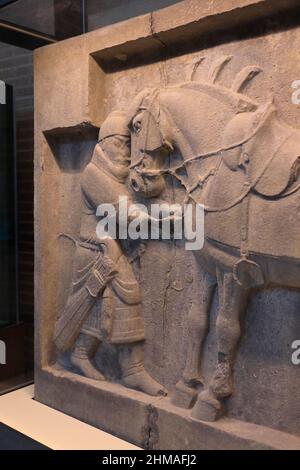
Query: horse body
x=249, y=188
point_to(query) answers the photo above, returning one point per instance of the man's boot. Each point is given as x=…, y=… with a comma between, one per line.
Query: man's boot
x=134, y=374
x=85, y=349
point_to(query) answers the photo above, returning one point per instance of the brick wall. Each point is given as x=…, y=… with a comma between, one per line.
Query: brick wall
x=16, y=69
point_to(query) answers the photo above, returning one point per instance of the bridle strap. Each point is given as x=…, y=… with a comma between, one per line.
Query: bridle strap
x=154, y=95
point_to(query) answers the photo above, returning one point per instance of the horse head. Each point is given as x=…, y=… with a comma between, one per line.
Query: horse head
x=150, y=143
x=189, y=117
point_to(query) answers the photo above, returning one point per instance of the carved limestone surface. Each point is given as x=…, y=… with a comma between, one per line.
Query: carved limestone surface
x=163, y=346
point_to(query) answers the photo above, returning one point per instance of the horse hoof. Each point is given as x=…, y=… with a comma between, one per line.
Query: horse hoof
x=183, y=396
x=222, y=382
x=207, y=407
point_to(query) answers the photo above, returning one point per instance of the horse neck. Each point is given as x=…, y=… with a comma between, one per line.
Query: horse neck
x=188, y=131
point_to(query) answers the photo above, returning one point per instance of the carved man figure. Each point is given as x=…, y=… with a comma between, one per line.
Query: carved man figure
x=105, y=301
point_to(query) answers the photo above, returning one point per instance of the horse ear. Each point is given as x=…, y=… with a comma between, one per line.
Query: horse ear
x=136, y=103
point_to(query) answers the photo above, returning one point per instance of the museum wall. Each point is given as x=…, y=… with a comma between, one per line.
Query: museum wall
x=16, y=69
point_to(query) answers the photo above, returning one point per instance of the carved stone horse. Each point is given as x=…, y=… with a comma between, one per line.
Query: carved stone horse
x=241, y=162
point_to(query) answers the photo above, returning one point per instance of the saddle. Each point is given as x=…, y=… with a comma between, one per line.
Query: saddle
x=283, y=170
x=257, y=197
x=273, y=165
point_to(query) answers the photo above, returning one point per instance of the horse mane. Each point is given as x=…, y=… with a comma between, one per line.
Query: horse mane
x=236, y=101
x=233, y=97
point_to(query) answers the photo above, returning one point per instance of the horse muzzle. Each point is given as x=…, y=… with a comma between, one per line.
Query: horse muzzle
x=146, y=186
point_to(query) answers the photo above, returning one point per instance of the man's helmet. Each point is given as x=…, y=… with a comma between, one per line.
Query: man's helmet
x=114, y=124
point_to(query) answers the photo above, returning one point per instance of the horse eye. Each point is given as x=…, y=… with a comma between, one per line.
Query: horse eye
x=137, y=126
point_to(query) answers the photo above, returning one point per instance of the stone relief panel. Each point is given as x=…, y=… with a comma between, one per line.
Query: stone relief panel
x=208, y=333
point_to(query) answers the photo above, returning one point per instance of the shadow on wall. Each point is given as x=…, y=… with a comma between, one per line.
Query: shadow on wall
x=105, y=12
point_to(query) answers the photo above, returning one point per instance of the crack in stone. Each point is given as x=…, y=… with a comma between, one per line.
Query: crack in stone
x=164, y=53
x=150, y=432
x=153, y=33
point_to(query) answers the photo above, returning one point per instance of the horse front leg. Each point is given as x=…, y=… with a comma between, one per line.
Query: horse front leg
x=233, y=301
x=186, y=390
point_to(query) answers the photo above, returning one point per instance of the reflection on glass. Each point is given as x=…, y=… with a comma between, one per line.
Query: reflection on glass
x=105, y=12
x=31, y=14
x=58, y=18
